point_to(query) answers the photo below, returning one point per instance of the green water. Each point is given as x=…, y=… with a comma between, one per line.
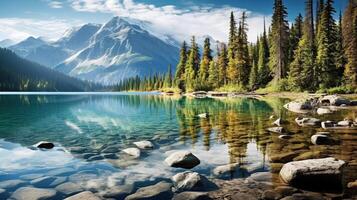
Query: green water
x=87, y=128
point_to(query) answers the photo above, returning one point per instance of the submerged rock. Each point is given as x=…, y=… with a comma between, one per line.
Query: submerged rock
x=189, y=181
x=87, y=195
x=69, y=188
x=135, y=152
x=144, y=144
x=320, y=139
x=9, y=184
x=192, y=196
x=30, y=193
x=43, y=181
x=304, y=121
x=182, y=159
x=323, y=111
x=283, y=157
x=313, y=171
x=302, y=106
x=225, y=169
x=44, y=145
x=276, y=130
x=334, y=100
x=159, y=191
x=119, y=192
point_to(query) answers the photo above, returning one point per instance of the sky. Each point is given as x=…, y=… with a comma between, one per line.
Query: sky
x=180, y=19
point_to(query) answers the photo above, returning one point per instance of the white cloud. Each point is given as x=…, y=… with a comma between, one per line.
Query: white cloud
x=18, y=29
x=180, y=23
x=55, y=4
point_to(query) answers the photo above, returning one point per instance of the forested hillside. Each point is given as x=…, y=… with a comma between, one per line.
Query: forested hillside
x=317, y=53
x=17, y=74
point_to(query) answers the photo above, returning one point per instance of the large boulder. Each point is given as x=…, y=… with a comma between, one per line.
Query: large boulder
x=30, y=193
x=313, y=172
x=87, y=195
x=189, y=181
x=300, y=106
x=305, y=121
x=135, y=152
x=159, y=191
x=334, y=100
x=182, y=159
x=144, y=144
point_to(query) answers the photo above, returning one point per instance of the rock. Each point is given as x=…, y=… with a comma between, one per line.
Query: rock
x=304, y=121
x=44, y=145
x=271, y=195
x=276, y=130
x=9, y=184
x=61, y=171
x=276, y=167
x=327, y=124
x=308, y=155
x=144, y=144
x=43, y=181
x=111, y=149
x=30, y=193
x=159, y=191
x=203, y=115
x=31, y=176
x=344, y=123
x=283, y=157
x=285, y=190
x=277, y=122
x=284, y=137
x=323, y=111
x=334, y=100
x=225, y=169
x=192, y=196
x=88, y=155
x=188, y=181
x=69, y=188
x=135, y=152
x=57, y=181
x=302, y=106
x=87, y=195
x=243, y=196
x=304, y=196
x=95, y=158
x=352, y=185
x=312, y=171
x=320, y=139
x=119, y=192
x=110, y=156
x=261, y=177
x=182, y=159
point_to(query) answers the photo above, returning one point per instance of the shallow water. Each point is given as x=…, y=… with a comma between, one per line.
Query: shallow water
x=87, y=127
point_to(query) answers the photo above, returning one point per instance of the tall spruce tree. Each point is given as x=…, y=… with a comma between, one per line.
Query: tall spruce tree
x=326, y=47
x=264, y=73
x=340, y=54
x=213, y=78
x=302, y=74
x=319, y=10
x=192, y=66
x=295, y=36
x=168, y=78
x=180, y=69
x=349, y=31
x=279, y=41
x=205, y=62
x=222, y=62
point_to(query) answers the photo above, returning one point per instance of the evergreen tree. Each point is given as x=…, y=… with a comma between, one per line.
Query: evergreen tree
x=205, y=62
x=222, y=63
x=295, y=36
x=264, y=74
x=213, y=79
x=242, y=53
x=340, y=54
x=232, y=34
x=326, y=47
x=192, y=66
x=180, y=69
x=319, y=10
x=279, y=41
x=253, y=76
x=168, y=78
x=349, y=31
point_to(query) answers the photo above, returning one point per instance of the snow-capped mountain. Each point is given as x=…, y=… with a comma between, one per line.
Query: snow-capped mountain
x=105, y=53
x=6, y=43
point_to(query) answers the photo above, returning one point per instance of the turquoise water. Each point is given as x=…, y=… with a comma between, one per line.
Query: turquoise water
x=91, y=130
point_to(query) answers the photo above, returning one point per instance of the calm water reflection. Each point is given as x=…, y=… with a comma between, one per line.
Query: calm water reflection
x=91, y=130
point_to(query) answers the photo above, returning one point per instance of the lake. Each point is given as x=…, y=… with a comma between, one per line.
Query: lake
x=91, y=130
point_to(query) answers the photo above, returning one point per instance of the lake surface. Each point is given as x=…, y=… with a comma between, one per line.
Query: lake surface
x=91, y=130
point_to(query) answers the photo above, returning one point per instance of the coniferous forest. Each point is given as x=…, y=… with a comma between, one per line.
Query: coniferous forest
x=316, y=53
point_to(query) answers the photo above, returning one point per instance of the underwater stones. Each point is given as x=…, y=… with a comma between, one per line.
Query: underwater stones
x=225, y=169
x=31, y=176
x=305, y=121
x=284, y=137
x=159, y=191
x=182, y=159
x=2, y=191
x=188, y=181
x=119, y=192
x=69, y=188
x=110, y=156
x=9, y=184
x=271, y=195
x=283, y=157
x=111, y=149
x=144, y=144
x=334, y=100
x=308, y=155
x=134, y=152
x=95, y=158
x=320, y=139
x=323, y=111
x=261, y=177
x=44, y=145
x=276, y=129
x=88, y=155
x=87, y=195
x=61, y=171
x=30, y=193
x=43, y=181
x=192, y=196
x=303, y=106
x=313, y=171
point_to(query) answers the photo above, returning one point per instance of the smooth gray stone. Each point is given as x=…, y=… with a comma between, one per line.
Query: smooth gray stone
x=159, y=191
x=9, y=184
x=30, y=193
x=69, y=188
x=87, y=195
x=43, y=181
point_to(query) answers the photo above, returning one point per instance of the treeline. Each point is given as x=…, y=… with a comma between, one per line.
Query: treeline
x=315, y=53
x=18, y=74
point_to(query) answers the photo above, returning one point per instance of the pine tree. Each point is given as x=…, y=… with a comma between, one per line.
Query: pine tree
x=279, y=41
x=232, y=34
x=295, y=36
x=180, y=69
x=326, y=47
x=340, y=54
x=349, y=31
x=213, y=78
x=192, y=66
x=168, y=78
x=222, y=63
x=253, y=76
x=302, y=71
x=264, y=74
x=319, y=10
x=205, y=62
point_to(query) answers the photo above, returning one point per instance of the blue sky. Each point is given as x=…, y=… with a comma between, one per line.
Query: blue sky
x=180, y=19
